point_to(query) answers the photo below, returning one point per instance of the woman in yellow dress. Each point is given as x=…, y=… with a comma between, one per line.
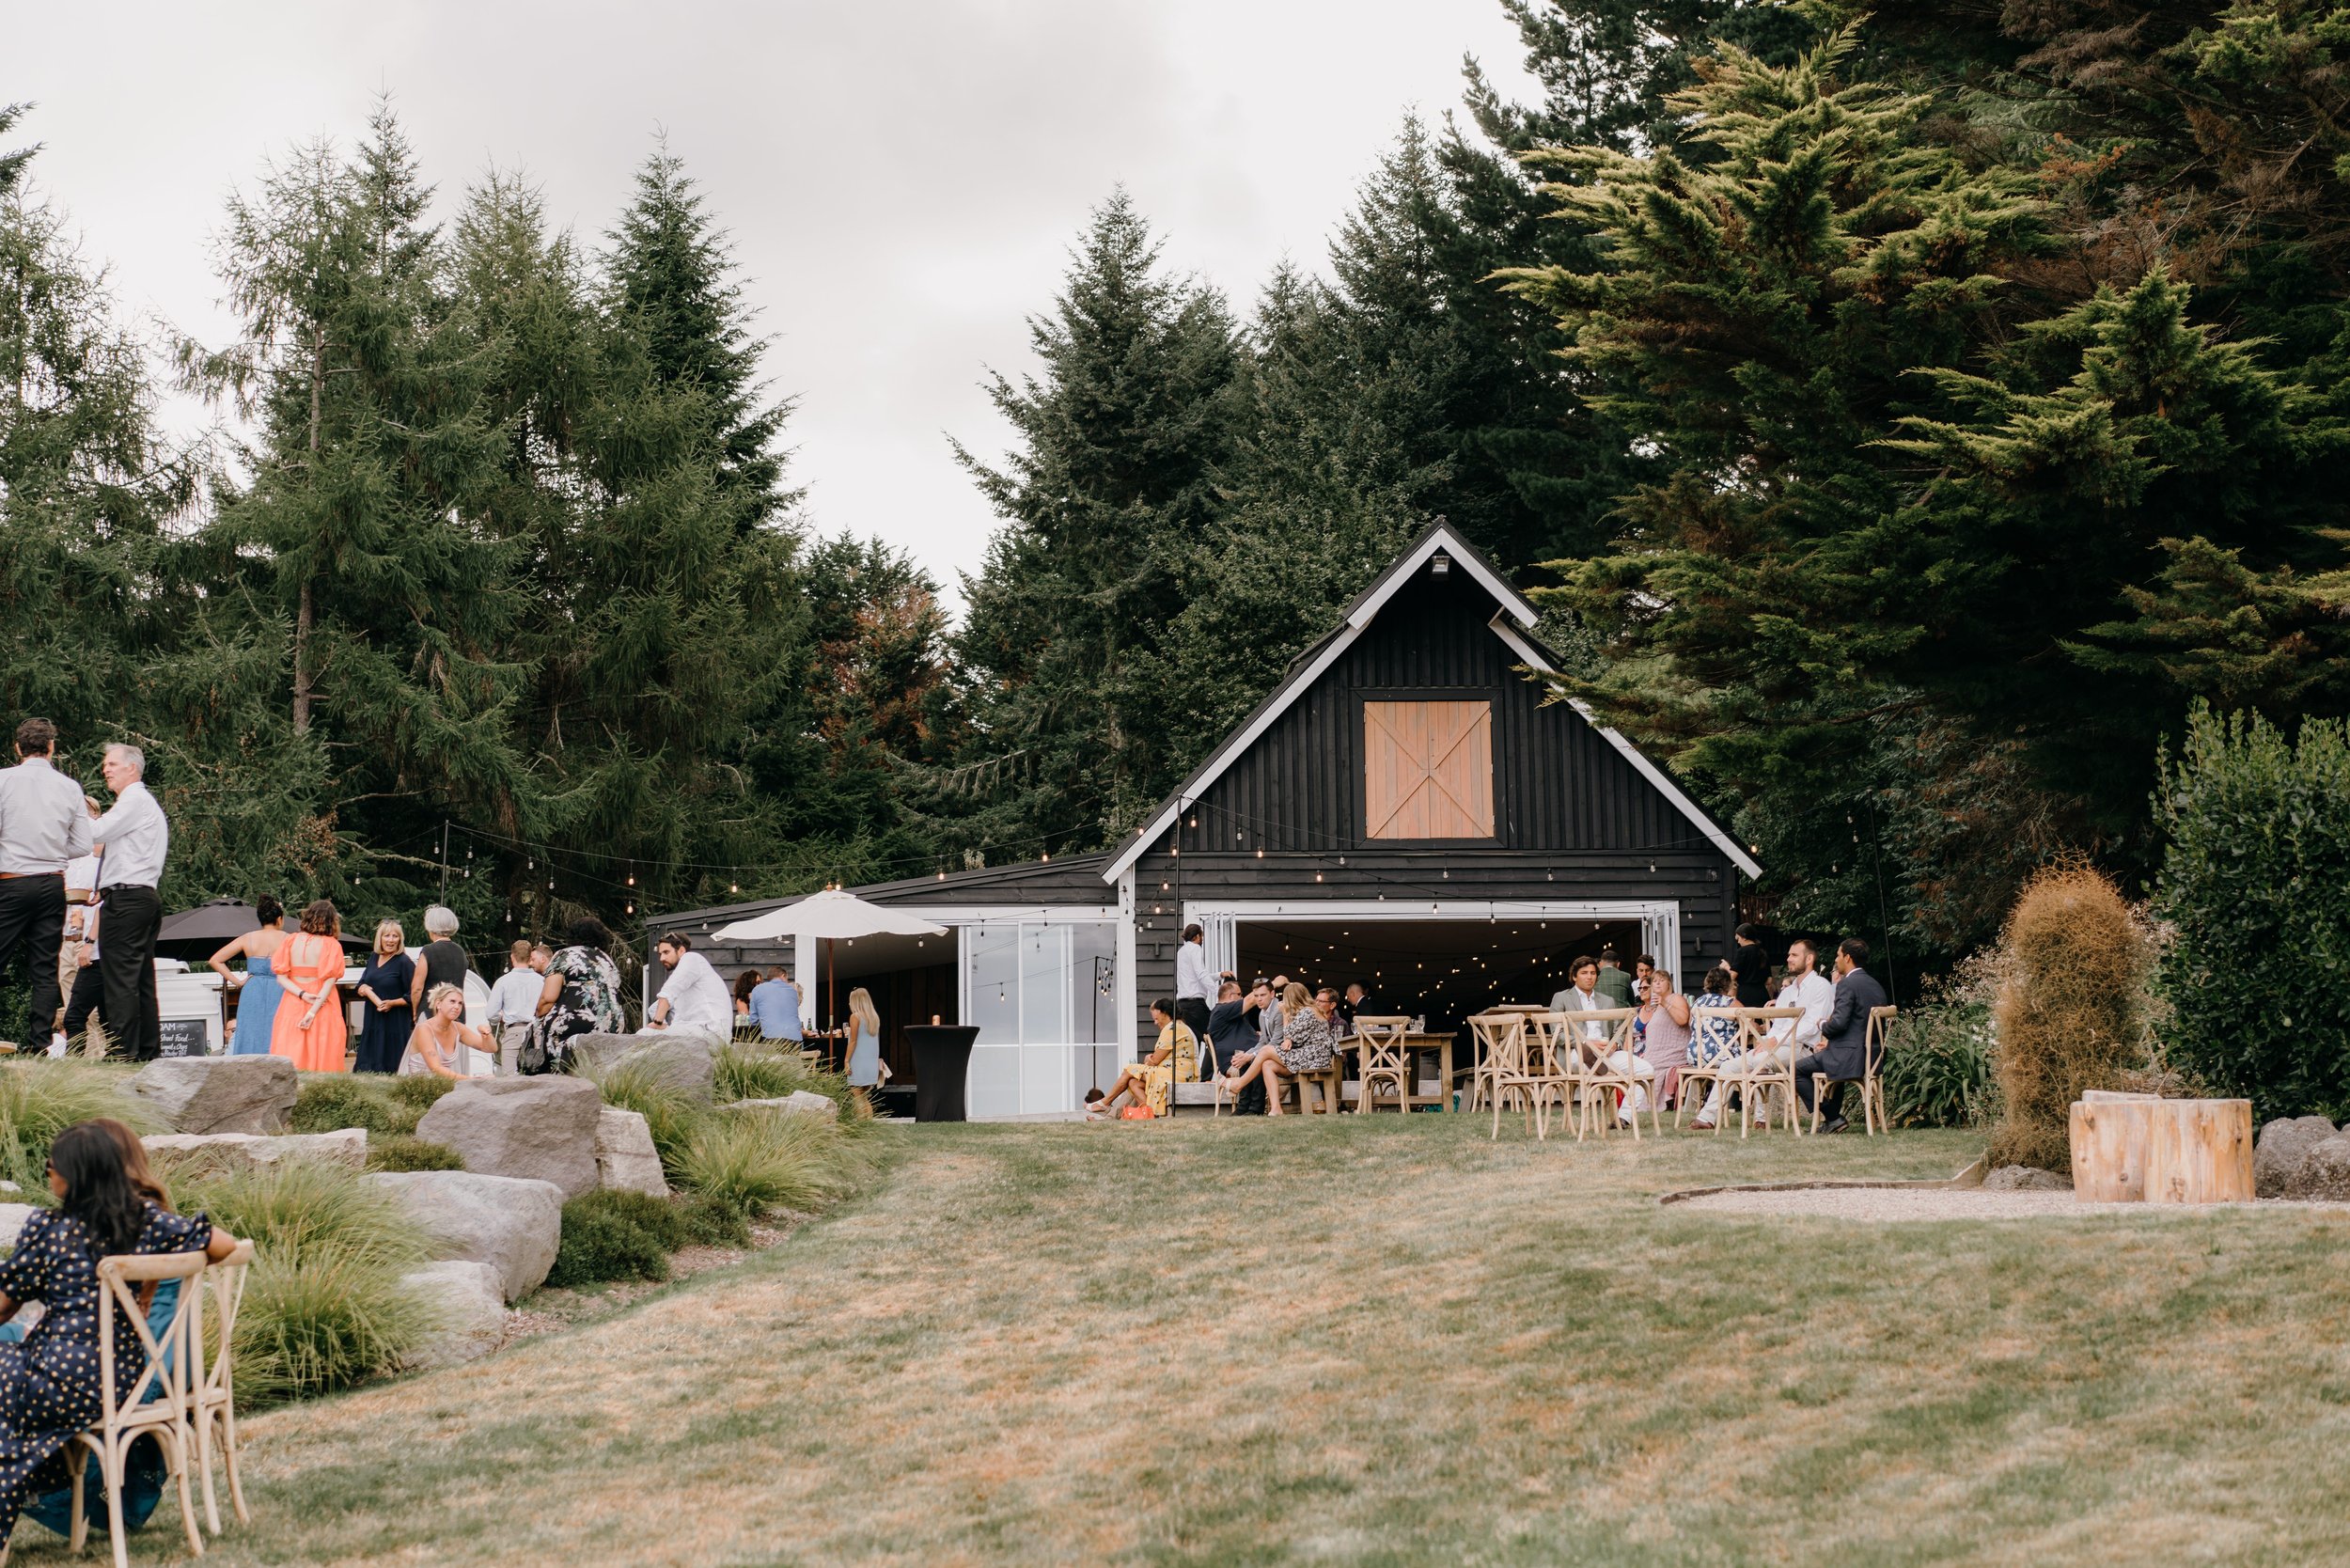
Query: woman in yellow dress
x=310, y=1026
x=1150, y=1081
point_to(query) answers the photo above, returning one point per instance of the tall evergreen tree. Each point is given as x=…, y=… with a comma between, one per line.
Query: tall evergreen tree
x=1104, y=500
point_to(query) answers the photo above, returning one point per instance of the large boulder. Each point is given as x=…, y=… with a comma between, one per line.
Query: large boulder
x=2283, y=1144
x=2323, y=1172
x=468, y=1309
x=510, y=1224
x=543, y=1128
x=218, y=1094
x=345, y=1146
x=626, y=1161
x=800, y=1101
x=2026, y=1178
x=685, y=1061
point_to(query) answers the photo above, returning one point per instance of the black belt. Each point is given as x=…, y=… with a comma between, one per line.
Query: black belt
x=126, y=887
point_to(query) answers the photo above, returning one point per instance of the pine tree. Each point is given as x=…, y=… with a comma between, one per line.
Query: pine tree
x=1066, y=643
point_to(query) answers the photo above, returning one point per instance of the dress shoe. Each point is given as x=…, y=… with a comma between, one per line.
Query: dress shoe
x=1836, y=1126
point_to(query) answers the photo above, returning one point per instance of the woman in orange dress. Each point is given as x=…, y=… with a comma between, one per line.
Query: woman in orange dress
x=310, y=1026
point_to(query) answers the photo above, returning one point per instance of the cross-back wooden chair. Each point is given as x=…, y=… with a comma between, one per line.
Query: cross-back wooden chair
x=1383, y=1060
x=1871, y=1080
x=1487, y=1030
x=157, y=1404
x=213, y=1388
x=1602, y=1082
x=1555, y=1068
x=1772, y=1078
x=1704, y=1076
x=1504, y=1063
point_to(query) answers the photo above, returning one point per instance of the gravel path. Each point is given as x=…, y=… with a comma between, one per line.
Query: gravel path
x=1913, y=1203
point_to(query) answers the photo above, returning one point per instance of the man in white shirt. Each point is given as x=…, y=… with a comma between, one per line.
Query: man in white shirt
x=1195, y=988
x=1584, y=995
x=42, y=828
x=132, y=839
x=1806, y=988
x=514, y=1003
x=693, y=1001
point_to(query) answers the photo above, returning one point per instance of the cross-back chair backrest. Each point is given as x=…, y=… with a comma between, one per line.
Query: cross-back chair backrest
x=1501, y=1039
x=1754, y=1024
x=165, y=1378
x=1382, y=1040
x=212, y=1370
x=1880, y=1022
x=1615, y=1027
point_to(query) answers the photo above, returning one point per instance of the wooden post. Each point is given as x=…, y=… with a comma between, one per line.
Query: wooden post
x=2141, y=1148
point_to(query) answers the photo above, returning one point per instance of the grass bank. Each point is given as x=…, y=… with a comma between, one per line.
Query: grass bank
x=1378, y=1342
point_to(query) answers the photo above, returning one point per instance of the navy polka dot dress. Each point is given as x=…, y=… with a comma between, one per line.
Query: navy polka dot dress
x=49, y=1381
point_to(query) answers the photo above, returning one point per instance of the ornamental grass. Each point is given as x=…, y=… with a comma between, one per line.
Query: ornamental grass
x=37, y=1100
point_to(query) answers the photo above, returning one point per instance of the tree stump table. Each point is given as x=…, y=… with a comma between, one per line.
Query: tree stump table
x=2143, y=1148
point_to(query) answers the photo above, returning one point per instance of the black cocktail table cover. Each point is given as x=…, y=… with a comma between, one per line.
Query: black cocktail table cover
x=942, y=1066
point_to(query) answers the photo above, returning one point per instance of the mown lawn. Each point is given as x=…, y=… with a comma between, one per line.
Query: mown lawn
x=1378, y=1341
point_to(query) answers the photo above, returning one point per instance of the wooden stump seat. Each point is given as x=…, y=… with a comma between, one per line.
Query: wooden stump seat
x=2143, y=1148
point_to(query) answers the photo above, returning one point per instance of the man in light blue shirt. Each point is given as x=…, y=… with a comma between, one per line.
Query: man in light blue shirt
x=775, y=1004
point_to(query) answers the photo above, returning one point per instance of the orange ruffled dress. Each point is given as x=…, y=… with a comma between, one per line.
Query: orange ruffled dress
x=305, y=964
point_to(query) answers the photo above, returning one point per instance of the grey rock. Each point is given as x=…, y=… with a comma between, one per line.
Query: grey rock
x=12, y=1219
x=467, y=1307
x=541, y=1128
x=2025, y=1177
x=626, y=1160
x=511, y=1224
x=345, y=1146
x=800, y=1101
x=218, y=1094
x=2324, y=1171
x=2282, y=1146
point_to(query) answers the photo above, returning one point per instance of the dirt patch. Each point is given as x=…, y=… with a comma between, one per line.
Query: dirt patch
x=1926, y=1203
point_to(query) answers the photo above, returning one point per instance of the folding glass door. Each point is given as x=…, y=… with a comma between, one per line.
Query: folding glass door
x=1044, y=993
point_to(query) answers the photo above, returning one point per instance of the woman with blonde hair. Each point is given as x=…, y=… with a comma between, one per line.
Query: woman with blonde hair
x=864, y=1040
x=383, y=987
x=310, y=1027
x=436, y=1045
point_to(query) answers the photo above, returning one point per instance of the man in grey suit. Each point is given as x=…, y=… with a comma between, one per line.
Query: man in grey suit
x=1844, y=1038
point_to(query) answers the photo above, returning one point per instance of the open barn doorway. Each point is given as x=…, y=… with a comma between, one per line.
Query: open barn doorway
x=1442, y=970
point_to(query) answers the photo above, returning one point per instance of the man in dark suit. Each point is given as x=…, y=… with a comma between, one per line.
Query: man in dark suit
x=1844, y=1038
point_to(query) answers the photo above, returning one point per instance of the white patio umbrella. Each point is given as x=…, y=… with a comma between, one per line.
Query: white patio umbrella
x=830, y=916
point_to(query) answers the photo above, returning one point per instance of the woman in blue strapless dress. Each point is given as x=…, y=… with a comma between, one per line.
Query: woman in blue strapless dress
x=258, y=990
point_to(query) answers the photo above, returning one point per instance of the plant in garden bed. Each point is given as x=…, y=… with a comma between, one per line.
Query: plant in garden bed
x=405, y=1152
x=671, y=1114
x=752, y=1161
x=329, y=1100
x=1937, y=1065
x=37, y=1100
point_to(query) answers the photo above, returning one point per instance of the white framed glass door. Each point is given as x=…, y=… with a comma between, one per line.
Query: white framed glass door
x=1042, y=992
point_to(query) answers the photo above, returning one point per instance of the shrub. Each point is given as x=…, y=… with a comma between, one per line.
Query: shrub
x=2072, y=1011
x=2255, y=887
x=324, y=1307
x=662, y=1219
x=331, y=1100
x=603, y=1240
x=1937, y=1065
x=402, y=1151
x=418, y=1089
x=712, y=1223
x=671, y=1115
x=39, y=1101
x=753, y=1162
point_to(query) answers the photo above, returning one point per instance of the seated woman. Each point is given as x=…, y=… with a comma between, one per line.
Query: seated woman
x=1306, y=1045
x=1713, y=1038
x=49, y=1388
x=1176, y=1059
x=433, y=1048
x=1665, y=1030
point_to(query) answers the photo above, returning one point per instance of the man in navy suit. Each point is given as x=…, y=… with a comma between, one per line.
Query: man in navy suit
x=1844, y=1038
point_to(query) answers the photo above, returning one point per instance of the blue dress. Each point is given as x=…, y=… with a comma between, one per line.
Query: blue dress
x=257, y=1009
x=864, y=1061
x=49, y=1381
x=383, y=1034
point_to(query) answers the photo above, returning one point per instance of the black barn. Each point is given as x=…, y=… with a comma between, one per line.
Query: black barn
x=1404, y=811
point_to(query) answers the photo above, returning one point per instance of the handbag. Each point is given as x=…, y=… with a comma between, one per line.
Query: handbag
x=1134, y=1113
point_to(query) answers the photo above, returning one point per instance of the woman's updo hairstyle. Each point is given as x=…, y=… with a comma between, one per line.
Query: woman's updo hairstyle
x=268, y=910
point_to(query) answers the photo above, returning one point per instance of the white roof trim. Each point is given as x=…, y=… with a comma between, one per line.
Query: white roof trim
x=1648, y=770
x=1241, y=741
x=1463, y=556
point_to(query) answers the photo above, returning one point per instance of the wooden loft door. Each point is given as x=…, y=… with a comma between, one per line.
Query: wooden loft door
x=1428, y=770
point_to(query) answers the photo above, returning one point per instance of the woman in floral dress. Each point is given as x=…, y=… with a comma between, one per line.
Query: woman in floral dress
x=49, y=1388
x=582, y=996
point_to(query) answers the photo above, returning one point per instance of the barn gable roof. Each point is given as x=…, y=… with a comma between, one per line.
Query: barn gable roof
x=1512, y=621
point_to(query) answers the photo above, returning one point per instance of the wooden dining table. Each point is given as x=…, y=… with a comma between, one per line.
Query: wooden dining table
x=1438, y=1045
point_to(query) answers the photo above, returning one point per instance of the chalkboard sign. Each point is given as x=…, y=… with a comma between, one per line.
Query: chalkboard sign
x=184, y=1037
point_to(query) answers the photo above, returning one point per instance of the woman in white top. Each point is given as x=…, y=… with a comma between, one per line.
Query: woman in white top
x=434, y=1047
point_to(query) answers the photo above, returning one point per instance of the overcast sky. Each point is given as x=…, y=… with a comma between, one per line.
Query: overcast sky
x=902, y=182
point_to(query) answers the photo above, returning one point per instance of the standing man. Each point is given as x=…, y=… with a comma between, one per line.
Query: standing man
x=693, y=1001
x=132, y=839
x=1750, y=967
x=1194, y=987
x=43, y=826
x=1614, y=984
x=776, y=1005
x=514, y=1002
x=1843, y=1040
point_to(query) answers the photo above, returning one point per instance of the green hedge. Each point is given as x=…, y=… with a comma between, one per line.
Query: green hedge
x=2255, y=887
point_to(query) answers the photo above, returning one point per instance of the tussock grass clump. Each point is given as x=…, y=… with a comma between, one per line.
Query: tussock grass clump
x=39, y=1101
x=750, y=1162
x=329, y=1100
x=405, y=1152
x=2073, y=1008
x=418, y=1089
x=753, y=1073
x=324, y=1308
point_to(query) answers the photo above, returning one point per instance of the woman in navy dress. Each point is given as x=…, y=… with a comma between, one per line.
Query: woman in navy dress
x=49, y=1388
x=389, y=1020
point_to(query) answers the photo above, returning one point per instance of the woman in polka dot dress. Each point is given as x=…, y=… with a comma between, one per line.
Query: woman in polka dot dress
x=49, y=1382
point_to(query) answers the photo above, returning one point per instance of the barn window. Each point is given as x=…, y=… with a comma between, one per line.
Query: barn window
x=1428, y=770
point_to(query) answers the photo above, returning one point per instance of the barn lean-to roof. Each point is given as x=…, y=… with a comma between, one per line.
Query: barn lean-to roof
x=1512, y=622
